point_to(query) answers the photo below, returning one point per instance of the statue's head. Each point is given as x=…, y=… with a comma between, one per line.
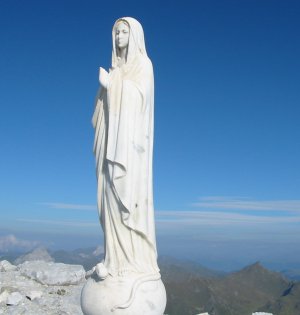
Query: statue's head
x=128, y=34
x=122, y=31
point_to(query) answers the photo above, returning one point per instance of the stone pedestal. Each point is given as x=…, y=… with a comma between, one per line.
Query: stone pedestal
x=110, y=296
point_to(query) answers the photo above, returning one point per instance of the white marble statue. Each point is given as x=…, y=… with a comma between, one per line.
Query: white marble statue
x=123, y=147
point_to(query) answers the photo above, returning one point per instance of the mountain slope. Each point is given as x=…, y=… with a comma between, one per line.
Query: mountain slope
x=288, y=303
x=239, y=293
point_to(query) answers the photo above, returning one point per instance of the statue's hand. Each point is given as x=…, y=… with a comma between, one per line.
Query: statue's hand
x=103, y=77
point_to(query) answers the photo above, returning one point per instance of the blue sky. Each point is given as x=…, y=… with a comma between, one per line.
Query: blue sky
x=226, y=160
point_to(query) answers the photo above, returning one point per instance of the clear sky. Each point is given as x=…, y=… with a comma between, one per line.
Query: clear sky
x=227, y=132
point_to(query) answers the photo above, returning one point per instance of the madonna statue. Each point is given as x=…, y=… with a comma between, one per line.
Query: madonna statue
x=123, y=147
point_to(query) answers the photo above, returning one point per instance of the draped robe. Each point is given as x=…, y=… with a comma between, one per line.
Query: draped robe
x=123, y=147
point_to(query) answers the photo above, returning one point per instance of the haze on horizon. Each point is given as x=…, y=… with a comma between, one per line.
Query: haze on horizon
x=226, y=155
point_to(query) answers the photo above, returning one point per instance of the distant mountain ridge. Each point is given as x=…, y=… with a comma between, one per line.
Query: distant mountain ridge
x=293, y=274
x=39, y=253
x=87, y=257
x=251, y=289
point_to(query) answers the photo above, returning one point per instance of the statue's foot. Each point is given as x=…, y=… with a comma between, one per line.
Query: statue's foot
x=101, y=271
x=124, y=272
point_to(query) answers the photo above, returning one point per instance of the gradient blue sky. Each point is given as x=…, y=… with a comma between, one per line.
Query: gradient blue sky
x=227, y=133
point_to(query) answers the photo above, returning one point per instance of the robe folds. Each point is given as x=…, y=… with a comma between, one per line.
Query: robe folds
x=123, y=147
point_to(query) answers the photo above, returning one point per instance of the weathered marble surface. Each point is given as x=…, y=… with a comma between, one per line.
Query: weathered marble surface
x=98, y=297
x=123, y=121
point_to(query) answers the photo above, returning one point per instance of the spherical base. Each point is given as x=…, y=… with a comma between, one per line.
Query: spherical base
x=104, y=296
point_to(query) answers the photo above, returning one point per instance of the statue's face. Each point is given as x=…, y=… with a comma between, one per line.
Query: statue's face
x=122, y=35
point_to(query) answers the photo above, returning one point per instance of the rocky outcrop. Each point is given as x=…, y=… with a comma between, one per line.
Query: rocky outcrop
x=50, y=273
x=39, y=287
x=6, y=266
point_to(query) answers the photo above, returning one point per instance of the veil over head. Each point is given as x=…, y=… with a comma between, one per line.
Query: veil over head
x=136, y=40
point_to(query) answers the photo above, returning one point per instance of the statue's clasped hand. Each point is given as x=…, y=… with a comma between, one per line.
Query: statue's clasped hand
x=103, y=77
